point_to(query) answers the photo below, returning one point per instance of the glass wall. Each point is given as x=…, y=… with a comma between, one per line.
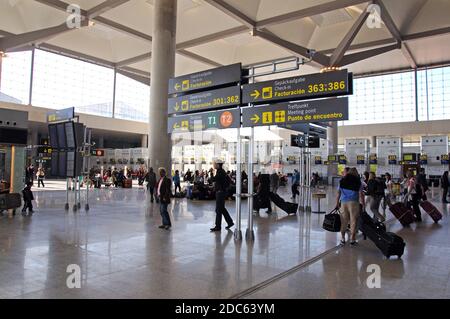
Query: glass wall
x=434, y=94
x=61, y=82
x=383, y=99
x=15, y=78
x=132, y=99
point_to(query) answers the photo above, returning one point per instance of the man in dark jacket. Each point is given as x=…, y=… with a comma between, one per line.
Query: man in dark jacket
x=422, y=181
x=221, y=184
x=27, y=199
x=150, y=178
x=444, y=185
x=164, y=192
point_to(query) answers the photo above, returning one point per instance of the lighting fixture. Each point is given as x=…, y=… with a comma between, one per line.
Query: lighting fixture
x=330, y=69
x=3, y=54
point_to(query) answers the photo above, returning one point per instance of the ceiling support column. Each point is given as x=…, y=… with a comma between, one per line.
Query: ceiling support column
x=163, y=68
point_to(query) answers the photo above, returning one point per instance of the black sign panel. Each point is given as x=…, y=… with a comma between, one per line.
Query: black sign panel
x=214, y=99
x=313, y=141
x=205, y=121
x=360, y=159
x=283, y=114
x=308, y=129
x=298, y=140
x=318, y=131
x=423, y=160
x=299, y=88
x=392, y=159
x=206, y=79
x=342, y=160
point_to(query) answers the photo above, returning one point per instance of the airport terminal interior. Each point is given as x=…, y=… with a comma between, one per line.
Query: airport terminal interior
x=198, y=149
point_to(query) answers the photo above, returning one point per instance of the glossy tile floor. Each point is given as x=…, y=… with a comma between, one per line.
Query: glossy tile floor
x=123, y=254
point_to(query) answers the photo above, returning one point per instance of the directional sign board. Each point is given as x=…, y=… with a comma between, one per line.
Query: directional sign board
x=308, y=129
x=205, y=121
x=290, y=113
x=226, y=97
x=336, y=83
x=206, y=79
x=60, y=115
x=298, y=140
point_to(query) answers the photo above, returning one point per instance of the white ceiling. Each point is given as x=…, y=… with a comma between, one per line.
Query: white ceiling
x=196, y=19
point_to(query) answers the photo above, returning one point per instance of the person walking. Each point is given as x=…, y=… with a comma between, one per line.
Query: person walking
x=413, y=195
x=151, y=183
x=422, y=181
x=29, y=174
x=27, y=199
x=444, y=185
x=177, y=181
x=41, y=176
x=221, y=184
x=375, y=193
x=350, y=198
x=164, y=192
x=295, y=184
x=274, y=182
x=389, y=196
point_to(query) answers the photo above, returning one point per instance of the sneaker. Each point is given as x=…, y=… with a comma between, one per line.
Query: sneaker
x=342, y=243
x=167, y=227
x=353, y=243
x=215, y=229
x=162, y=227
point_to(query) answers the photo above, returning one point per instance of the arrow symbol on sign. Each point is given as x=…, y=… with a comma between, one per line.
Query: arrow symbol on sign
x=255, y=94
x=177, y=86
x=255, y=118
x=177, y=107
x=176, y=126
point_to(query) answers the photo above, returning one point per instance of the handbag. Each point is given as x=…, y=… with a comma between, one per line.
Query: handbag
x=332, y=221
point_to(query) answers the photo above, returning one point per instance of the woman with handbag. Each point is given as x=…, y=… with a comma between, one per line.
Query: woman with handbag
x=350, y=197
x=413, y=195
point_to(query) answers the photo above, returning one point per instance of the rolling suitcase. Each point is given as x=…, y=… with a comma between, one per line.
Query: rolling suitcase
x=431, y=210
x=289, y=208
x=402, y=213
x=390, y=244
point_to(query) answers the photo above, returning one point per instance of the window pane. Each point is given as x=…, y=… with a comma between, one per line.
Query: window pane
x=15, y=78
x=132, y=99
x=383, y=99
x=62, y=82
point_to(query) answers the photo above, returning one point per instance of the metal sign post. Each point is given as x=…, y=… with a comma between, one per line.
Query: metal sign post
x=75, y=206
x=250, y=234
x=308, y=180
x=66, y=206
x=88, y=145
x=238, y=232
x=300, y=195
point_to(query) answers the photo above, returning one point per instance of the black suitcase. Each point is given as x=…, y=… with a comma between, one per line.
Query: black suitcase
x=10, y=201
x=390, y=244
x=289, y=208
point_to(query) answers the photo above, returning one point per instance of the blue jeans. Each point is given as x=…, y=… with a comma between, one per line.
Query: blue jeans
x=164, y=214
